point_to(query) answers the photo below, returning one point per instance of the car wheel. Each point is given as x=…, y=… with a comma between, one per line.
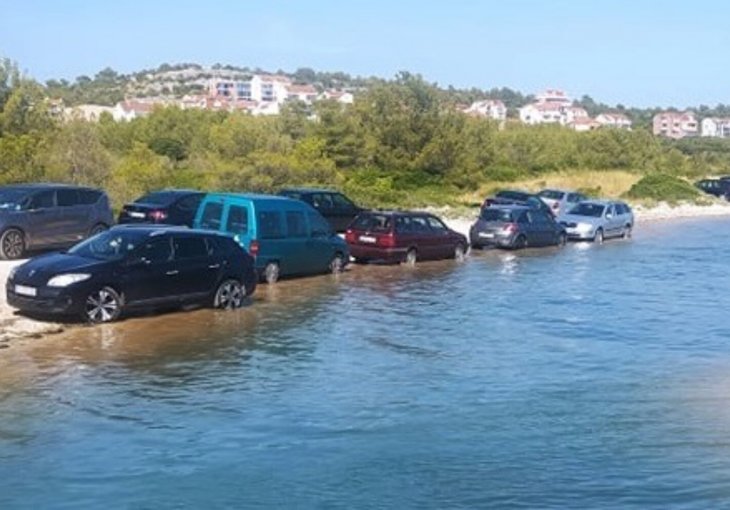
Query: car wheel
x=460, y=252
x=520, y=242
x=103, y=305
x=337, y=265
x=272, y=272
x=411, y=257
x=598, y=236
x=98, y=229
x=627, y=232
x=12, y=244
x=229, y=296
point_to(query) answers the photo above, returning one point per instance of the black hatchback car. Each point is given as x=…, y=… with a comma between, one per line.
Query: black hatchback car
x=333, y=205
x=511, y=197
x=134, y=267
x=47, y=216
x=170, y=206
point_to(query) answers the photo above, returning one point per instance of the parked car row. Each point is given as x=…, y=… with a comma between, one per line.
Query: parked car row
x=174, y=247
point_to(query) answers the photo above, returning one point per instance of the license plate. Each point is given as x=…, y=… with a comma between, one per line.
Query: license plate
x=487, y=235
x=367, y=239
x=134, y=214
x=25, y=291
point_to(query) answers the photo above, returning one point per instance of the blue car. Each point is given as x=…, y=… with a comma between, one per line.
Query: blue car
x=287, y=237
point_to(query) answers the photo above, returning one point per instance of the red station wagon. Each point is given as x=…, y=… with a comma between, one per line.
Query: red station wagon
x=403, y=237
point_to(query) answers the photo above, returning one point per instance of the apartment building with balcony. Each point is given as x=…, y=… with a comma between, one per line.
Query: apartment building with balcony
x=716, y=127
x=675, y=124
x=614, y=120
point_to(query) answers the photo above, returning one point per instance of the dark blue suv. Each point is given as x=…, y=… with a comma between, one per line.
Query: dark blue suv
x=41, y=216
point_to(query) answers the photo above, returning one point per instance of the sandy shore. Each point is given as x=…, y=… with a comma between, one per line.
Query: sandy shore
x=13, y=326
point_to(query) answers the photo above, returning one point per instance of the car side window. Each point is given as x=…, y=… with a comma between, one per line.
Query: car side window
x=318, y=224
x=341, y=202
x=89, y=196
x=419, y=225
x=295, y=226
x=525, y=218
x=402, y=225
x=269, y=223
x=237, y=222
x=610, y=211
x=436, y=224
x=156, y=251
x=189, y=247
x=211, y=217
x=43, y=200
x=190, y=204
x=67, y=197
x=322, y=201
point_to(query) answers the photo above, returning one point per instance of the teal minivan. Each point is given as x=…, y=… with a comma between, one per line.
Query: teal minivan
x=287, y=237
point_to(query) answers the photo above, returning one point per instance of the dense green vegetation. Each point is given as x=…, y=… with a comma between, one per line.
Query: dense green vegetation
x=401, y=143
x=663, y=187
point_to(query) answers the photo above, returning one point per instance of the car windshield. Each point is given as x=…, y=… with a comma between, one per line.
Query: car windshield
x=158, y=198
x=513, y=195
x=373, y=222
x=588, y=209
x=109, y=245
x=552, y=194
x=492, y=214
x=12, y=198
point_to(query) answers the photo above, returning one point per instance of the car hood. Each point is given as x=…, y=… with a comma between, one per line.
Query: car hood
x=39, y=270
x=574, y=218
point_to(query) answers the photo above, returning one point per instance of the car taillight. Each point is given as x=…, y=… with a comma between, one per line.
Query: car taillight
x=253, y=248
x=349, y=236
x=510, y=227
x=387, y=240
x=158, y=216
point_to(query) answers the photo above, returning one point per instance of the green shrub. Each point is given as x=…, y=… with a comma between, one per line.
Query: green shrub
x=662, y=187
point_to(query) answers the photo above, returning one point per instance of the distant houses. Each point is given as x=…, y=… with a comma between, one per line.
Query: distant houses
x=488, y=108
x=675, y=124
x=716, y=127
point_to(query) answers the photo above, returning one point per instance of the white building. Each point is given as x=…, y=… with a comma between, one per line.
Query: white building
x=552, y=107
x=489, y=108
x=582, y=124
x=716, y=127
x=340, y=96
x=614, y=120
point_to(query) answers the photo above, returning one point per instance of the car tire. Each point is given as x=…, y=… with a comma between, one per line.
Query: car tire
x=98, y=229
x=627, y=232
x=411, y=257
x=598, y=237
x=229, y=295
x=520, y=242
x=12, y=244
x=460, y=252
x=102, y=305
x=337, y=264
x=272, y=272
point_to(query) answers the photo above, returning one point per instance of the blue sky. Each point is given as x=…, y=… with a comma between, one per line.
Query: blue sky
x=640, y=52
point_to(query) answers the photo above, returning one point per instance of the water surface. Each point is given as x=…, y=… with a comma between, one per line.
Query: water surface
x=588, y=377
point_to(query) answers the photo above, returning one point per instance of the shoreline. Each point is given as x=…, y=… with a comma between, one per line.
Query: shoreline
x=14, y=327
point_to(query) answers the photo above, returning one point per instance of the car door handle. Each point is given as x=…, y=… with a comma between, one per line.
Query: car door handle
x=172, y=273
x=214, y=266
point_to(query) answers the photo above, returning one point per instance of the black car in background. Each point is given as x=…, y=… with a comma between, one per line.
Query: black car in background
x=333, y=205
x=511, y=197
x=47, y=216
x=134, y=267
x=516, y=226
x=717, y=187
x=170, y=206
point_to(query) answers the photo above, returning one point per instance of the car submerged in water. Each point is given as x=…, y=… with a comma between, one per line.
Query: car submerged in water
x=130, y=267
x=516, y=227
x=596, y=220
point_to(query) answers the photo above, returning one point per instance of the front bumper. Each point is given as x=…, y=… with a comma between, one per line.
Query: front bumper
x=583, y=235
x=48, y=301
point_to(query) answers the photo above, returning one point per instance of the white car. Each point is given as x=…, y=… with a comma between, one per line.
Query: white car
x=561, y=201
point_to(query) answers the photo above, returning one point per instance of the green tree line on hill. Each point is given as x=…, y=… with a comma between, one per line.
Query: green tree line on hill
x=400, y=143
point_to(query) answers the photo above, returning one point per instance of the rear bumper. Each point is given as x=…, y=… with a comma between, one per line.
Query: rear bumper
x=375, y=253
x=496, y=241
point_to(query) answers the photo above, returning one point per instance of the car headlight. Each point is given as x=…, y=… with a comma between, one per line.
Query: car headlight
x=13, y=272
x=64, y=280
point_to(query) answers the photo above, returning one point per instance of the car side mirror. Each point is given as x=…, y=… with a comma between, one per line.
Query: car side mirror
x=609, y=216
